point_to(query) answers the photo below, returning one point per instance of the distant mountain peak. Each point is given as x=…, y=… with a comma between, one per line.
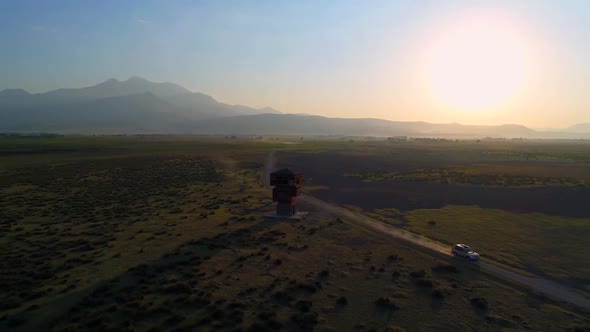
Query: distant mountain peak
x=132, y=104
x=137, y=79
x=269, y=110
x=111, y=81
x=14, y=92
x=113, y=88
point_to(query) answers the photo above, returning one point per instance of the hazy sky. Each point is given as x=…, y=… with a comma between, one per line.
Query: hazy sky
x=335, y=58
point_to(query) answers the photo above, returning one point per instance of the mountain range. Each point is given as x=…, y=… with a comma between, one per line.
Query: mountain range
x=141, y=106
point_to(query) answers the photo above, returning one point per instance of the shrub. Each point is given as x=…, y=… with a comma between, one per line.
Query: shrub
x=236, y=305
x=303, y=306
x=424, y=283
x=257, y=327
x=177, y=289
x=282, y=297
x=479, y=303
x=438, y=294
x=418, y=274
x=305, y=321
x=266, y=315
x=342, y=301
x=309, y=287
x=217, y=314
x=497, y=320
x=445, y=268
x=386, y=302
x=14, y=321
x=274, y=324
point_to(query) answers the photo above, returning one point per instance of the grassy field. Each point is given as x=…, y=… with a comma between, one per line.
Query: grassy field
x=483, y=175
x=167, y=233
x=543, y=244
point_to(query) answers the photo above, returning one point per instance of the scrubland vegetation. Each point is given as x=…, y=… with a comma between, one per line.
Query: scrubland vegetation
x=167, y=233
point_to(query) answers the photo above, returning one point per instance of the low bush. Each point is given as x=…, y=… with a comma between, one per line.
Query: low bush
x=386, y=302
x=423, y=283
x=303, y=306
x=438, y=294
x=418, y=274
x=342, y=301
x=445, y=268
x=305, y=321
x=479, y=303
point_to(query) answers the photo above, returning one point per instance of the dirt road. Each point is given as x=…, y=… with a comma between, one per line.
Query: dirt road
x=539, y=285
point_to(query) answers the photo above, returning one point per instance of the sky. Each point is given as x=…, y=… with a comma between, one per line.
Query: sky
x=472, y=62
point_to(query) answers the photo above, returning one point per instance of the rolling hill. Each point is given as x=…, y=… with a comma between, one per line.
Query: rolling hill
x=294, y=124
x=579, y=128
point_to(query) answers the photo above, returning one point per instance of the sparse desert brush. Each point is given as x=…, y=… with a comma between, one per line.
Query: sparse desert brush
x=258, y=326
x=266, y=315
x=438, y=294
x=305, y=320
x=282, y=297
x=443, y=267
x=426, y=283
x=386, y=302
x=172, y=280
x=418, y=274
x=479, y=303
x=303, y=305
x=173, y=320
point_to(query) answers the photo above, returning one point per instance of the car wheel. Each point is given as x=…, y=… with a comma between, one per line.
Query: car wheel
x=467, y=258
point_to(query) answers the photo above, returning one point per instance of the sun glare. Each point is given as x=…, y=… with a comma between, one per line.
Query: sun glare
x=476, y=65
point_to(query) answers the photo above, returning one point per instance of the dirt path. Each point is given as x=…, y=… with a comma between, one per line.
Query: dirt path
x=539, y=285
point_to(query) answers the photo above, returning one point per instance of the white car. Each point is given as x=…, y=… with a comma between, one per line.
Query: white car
x=462, y=250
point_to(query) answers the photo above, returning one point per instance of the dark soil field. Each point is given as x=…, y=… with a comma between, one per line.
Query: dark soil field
x=334, y=169
x=168, y=234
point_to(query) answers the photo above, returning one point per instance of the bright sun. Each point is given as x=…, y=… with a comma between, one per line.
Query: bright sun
x=477, y=65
